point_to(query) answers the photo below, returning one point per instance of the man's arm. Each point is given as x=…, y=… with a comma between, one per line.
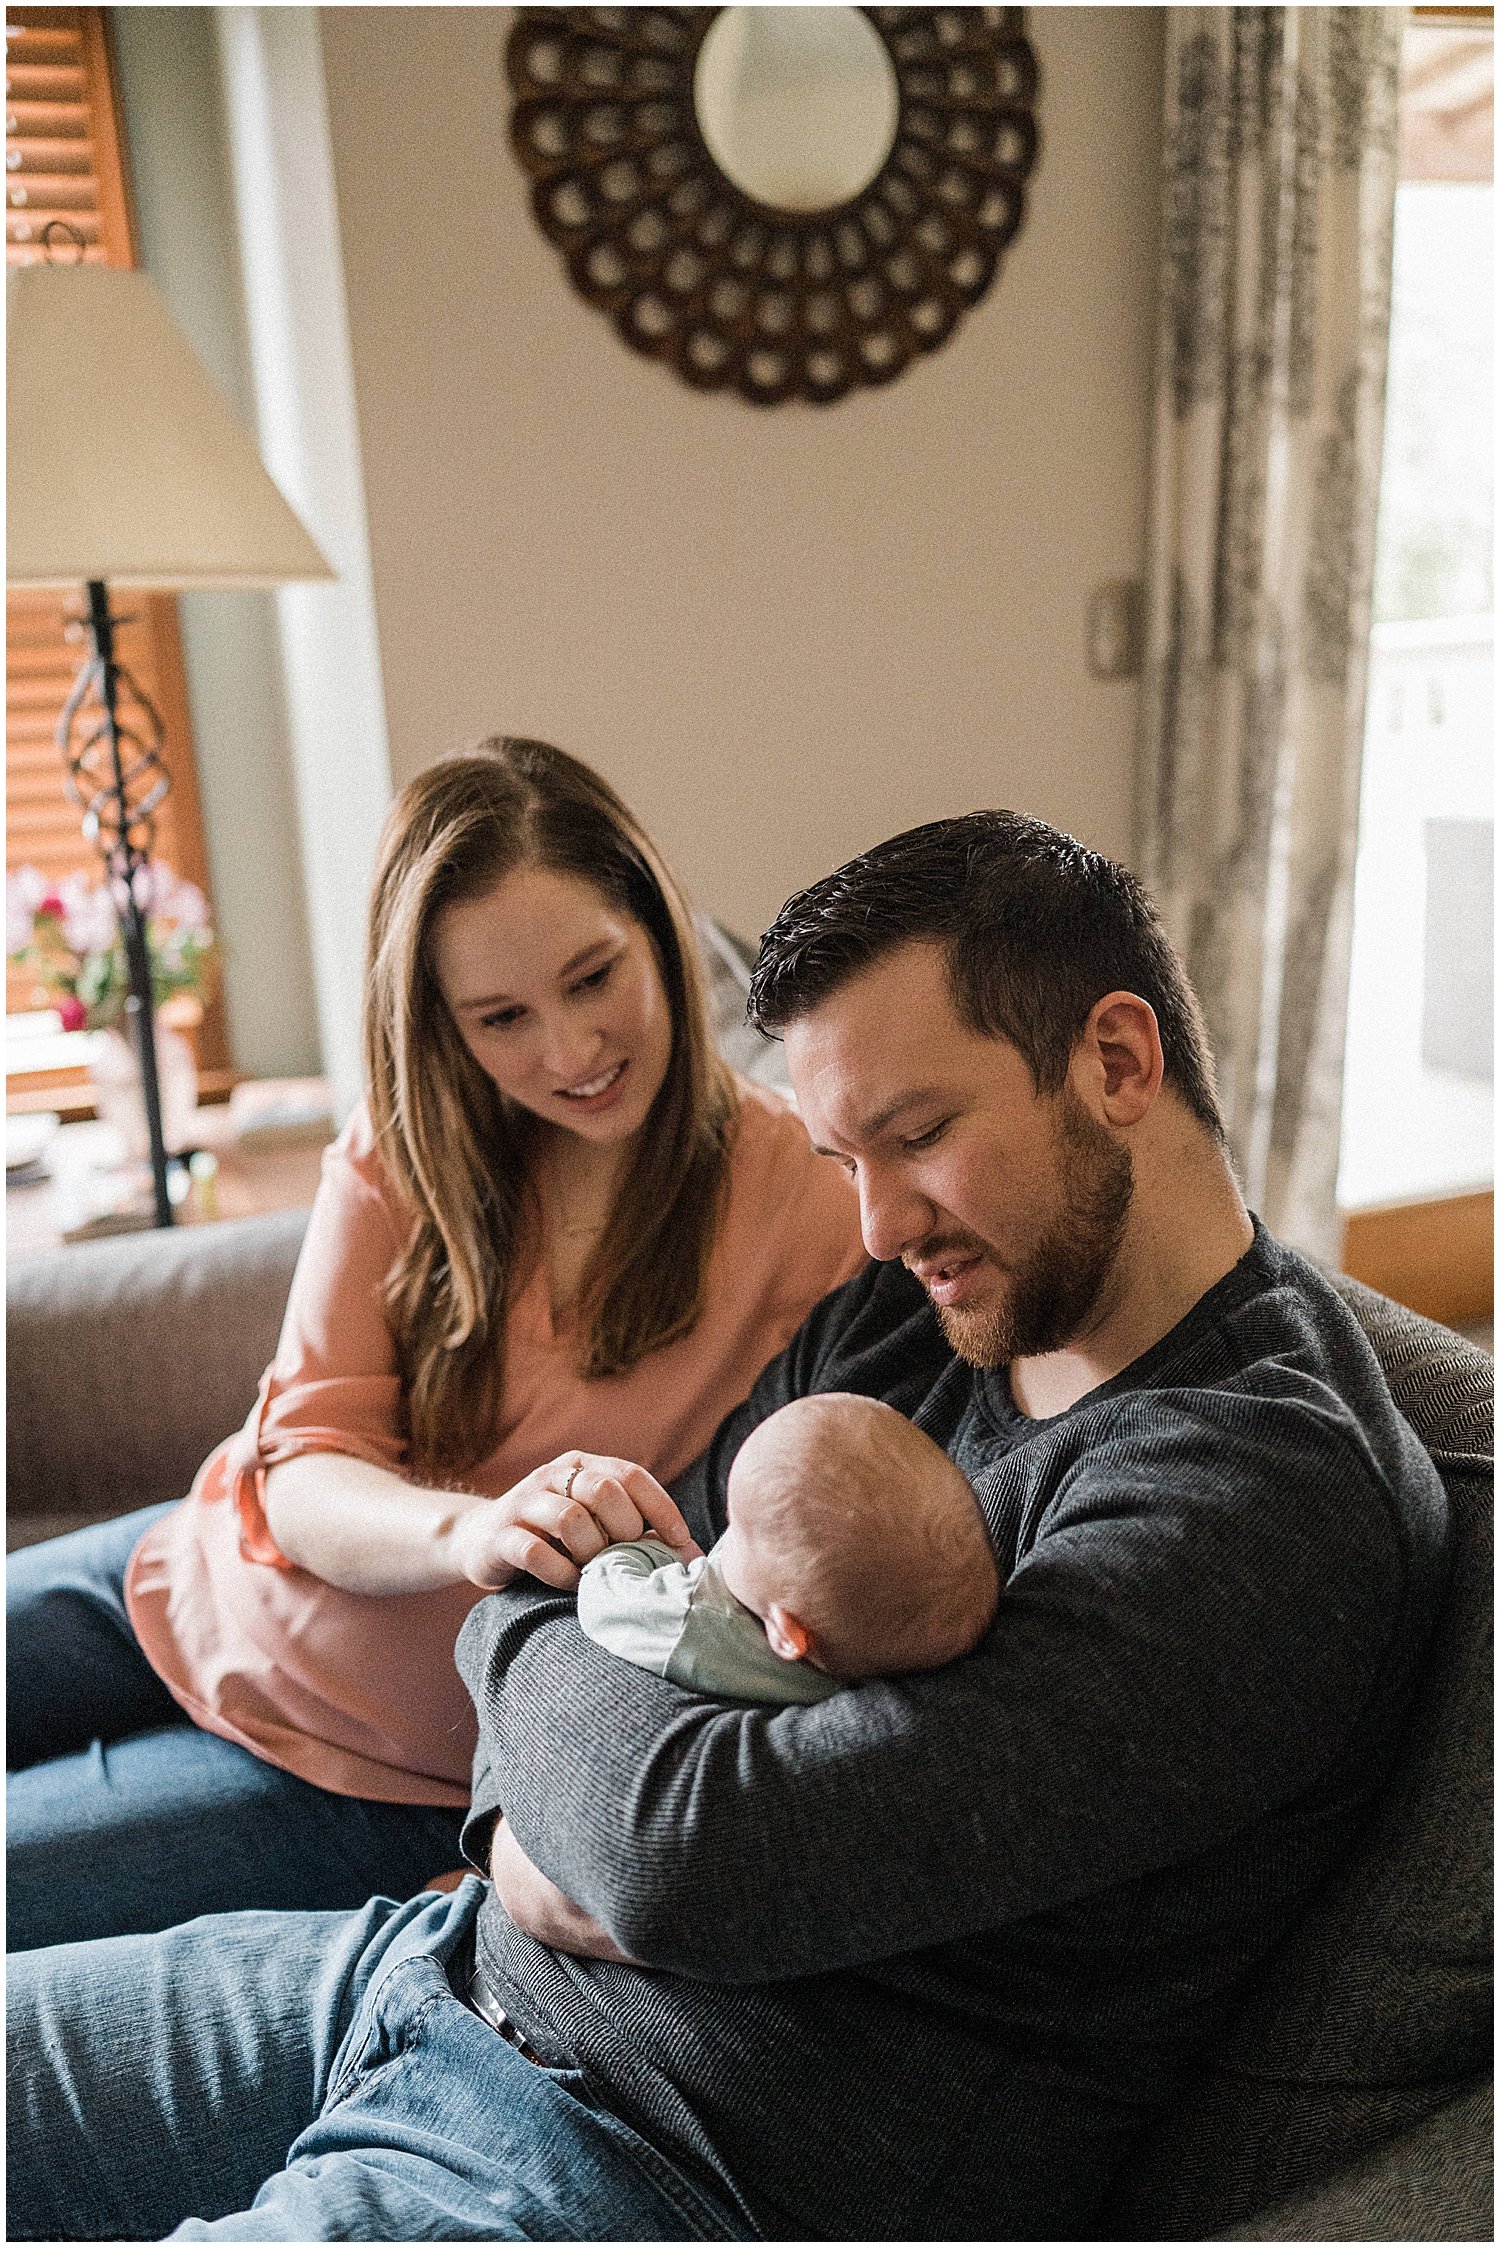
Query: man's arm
x=539, y=1907
x=1164, y=1667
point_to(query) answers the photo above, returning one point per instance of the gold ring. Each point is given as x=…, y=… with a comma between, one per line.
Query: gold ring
x=567, y=1489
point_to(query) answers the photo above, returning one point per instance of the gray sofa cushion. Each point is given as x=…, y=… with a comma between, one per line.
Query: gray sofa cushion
x=1376, y=2012
x=127, y=1361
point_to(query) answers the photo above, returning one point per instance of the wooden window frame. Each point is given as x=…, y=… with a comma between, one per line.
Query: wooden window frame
x=1436, y=1257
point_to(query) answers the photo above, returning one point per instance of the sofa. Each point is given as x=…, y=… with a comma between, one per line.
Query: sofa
x=1348, y=2098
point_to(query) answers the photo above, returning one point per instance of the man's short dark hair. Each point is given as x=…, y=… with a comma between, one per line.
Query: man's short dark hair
x=1036, y=928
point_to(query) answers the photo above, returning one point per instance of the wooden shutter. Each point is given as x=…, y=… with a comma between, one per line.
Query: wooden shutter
x=65, y=159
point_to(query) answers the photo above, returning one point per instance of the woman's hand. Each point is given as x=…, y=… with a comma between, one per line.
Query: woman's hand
x=559, y=1517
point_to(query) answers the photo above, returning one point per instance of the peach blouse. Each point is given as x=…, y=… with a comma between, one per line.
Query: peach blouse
x=357, y=1692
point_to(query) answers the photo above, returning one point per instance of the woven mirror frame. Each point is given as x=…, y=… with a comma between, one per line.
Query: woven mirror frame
x=736, y=294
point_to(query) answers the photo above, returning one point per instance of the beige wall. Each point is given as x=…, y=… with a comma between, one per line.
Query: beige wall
x=782, y=634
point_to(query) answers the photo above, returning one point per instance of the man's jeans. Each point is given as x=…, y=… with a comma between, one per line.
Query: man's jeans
x=123, y=1816
x=307, y=2076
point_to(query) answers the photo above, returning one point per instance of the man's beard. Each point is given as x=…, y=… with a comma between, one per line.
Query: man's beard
x=1051, y=1293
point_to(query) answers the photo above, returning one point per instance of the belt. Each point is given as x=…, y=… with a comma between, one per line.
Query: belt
x=473, y=1987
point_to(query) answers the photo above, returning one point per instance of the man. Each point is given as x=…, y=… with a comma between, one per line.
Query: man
x=921, y=1960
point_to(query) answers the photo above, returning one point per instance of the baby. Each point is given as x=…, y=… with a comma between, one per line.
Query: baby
x=854, y=1549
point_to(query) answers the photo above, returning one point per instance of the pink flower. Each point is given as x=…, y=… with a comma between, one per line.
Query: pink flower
x=24, y=890
x=88, y=915
x=51, y=905
x=148, y=885
x=71, y=1011
x=188, y=906
x=168, y=901
x=167, y=898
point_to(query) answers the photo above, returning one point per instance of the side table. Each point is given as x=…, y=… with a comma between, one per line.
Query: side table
x=248, y=1181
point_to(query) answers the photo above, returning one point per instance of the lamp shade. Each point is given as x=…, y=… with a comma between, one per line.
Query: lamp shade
x=124, y=461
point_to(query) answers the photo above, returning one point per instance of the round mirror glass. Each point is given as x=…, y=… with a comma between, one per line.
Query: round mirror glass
x=798, y=105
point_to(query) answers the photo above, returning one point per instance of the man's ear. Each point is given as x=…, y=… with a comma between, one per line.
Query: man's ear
x=1119, y=1058
x=789, y=1638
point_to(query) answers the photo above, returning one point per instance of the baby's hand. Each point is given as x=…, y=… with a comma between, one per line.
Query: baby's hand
x=558, y=1517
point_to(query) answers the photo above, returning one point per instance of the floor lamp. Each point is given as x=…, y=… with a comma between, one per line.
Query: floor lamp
x=127, y=470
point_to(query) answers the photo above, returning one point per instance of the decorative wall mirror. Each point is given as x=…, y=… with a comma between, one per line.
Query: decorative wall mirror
x=788, y=202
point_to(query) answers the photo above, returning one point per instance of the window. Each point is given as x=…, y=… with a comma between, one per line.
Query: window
x=1416, y=1166
x=65, y=160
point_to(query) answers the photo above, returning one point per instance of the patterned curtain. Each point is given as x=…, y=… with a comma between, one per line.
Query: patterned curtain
x=1279, y=197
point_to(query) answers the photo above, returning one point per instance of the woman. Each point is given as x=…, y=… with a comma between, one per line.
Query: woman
x=558, y=1222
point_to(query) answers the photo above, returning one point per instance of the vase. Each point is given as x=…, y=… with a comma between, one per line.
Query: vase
x=115, y=1075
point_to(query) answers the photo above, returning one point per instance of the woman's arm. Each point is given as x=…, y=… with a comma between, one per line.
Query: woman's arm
x=320, y=1473
x=366, y=1529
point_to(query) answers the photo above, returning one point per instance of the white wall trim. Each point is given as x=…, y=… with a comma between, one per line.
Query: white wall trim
x=276, y=107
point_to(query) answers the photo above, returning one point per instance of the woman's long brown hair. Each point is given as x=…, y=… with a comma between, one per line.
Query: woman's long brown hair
x=460, y=1153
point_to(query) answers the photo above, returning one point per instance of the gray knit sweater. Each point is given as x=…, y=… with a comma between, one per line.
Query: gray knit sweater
x=924, y=1958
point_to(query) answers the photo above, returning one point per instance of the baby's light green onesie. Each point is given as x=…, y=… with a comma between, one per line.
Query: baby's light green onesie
x=680, y=1620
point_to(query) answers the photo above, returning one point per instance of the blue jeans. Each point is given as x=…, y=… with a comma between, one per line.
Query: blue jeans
x=308, y=2076
x=122, y=1816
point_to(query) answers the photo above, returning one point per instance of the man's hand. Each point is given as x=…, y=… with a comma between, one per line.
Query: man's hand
x=539, y=1908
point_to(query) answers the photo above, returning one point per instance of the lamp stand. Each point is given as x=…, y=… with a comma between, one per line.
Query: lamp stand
x=117, y=775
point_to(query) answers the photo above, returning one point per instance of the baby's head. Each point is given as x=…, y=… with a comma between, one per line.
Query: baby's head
x=856, y=1540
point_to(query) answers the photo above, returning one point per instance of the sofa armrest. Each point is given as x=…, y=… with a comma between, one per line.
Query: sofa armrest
x=1435, y=2182
x=128, y=1360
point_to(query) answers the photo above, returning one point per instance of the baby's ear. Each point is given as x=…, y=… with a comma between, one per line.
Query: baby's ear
x=789, y=1638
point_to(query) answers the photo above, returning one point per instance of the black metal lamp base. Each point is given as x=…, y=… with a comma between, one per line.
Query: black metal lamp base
x=115, y=772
